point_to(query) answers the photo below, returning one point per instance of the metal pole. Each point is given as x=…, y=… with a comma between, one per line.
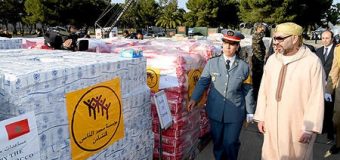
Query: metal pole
x=160, y=143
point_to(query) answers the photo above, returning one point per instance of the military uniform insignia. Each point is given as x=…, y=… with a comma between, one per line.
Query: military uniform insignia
x=235, y=63
x=230, y=33
x=214, y=75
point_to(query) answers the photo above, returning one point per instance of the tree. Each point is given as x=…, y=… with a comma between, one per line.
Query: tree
x=202, y=13
x=11, y=12
x=61, y=12
x=163, y=3
x=227, y=14
x=140, y=14
x=171, y=16
x=52, y=10
x=130, y=18
x=333, y=13
x=303, y=12
x=5, y=8
x=264, y=11
x=148, y=10
x=81, y=12
x=309, y=12
x=34, y=12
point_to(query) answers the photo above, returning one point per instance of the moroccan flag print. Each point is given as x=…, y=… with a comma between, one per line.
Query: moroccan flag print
x=17, y=129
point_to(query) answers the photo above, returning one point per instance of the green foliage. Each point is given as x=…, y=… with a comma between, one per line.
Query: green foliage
x=52, y=10
x=61, y=12
x=147, y=12
x=227, y=14
x=304, y=12
x=171, y=16
x=165, y=13
x=333, y=13
x=81, y=12
x=11, y=11
x=309, y=12
x=212, y=13
x=34, y=11
x=141, y=14
x=130, y=17
x=264, y=11
x=202, y=13
x=163, y=3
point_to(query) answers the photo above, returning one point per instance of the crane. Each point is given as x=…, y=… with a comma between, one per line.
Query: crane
x=103, y=31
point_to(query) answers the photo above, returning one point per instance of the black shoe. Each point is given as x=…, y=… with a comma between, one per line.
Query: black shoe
x=330, y=137
x=330, y=141
x=334, y=150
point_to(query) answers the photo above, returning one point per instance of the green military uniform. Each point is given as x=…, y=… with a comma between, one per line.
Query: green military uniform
x=259, y=51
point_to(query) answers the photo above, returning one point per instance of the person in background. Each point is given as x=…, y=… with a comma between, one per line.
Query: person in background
x=269, y=52
x=326, y=54
x=126, y=34
x=290, y=105
x=140, y=35
x=257, y=60
x=4, y=33
x=316, y=37
x=230, y=99
x=332, y=87
x=87, y=35
x=71, y=42
x=38, y=32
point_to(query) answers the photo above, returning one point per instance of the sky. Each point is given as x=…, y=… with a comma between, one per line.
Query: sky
x=181, y=4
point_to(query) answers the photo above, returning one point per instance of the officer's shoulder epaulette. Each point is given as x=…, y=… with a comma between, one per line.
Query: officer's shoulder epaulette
x=243, y=59
x=215, y=56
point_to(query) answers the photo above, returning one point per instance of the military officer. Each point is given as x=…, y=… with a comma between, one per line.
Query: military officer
x=230, y=98
x=257, y=62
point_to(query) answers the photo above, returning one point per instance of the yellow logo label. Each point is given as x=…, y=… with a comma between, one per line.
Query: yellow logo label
x=194, y=75
x=95, y=118
x=153, y=75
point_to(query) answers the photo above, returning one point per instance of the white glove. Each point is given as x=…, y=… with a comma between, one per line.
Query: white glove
x=328, y=97
x=250, y=118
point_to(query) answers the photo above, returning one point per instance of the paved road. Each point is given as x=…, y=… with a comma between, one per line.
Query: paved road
x=312, y=42
x=251, y=143
x=251, y=140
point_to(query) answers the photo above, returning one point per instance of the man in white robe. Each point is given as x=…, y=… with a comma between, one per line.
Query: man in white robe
x=290, y=105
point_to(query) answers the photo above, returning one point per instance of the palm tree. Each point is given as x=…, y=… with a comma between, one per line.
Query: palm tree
x=171, y=16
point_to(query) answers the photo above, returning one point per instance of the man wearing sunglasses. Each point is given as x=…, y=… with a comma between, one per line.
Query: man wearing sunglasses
x=290, y=105
x=230, y=99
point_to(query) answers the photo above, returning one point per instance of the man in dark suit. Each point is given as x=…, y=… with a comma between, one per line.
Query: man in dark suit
x=326, y=53
x=230, y=99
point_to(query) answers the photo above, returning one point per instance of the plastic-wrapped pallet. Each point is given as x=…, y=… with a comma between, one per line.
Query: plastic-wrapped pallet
x=180, y=141
x=138, y=140
x=204, y=123
x=30, y=43
x=38, y=81
x=177, y=61
x=10, y=43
